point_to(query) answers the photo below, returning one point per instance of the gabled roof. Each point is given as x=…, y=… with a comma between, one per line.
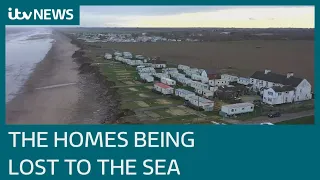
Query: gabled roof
x=211, y=71
x=212, y=76
x=277, y=78
x=282, y=89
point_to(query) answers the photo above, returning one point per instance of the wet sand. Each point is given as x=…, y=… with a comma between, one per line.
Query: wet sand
x=51, y=93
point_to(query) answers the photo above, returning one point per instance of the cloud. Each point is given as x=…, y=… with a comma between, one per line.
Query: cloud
x=198, y=16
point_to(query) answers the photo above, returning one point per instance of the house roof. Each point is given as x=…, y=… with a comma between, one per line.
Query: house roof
x=238, y=105
x=277, y=78
x=211, y=71
x=212, y=76
x=282, y=89
x=185, y=91
x=201, y=99
x=164, y=86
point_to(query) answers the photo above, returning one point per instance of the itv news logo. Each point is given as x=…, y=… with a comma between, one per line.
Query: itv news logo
x=40, y=14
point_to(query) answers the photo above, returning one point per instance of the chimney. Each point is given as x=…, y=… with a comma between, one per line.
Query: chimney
x=267, y=71
x=289, y=74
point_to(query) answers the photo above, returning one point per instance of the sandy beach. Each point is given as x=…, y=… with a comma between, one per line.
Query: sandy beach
x=51, y=93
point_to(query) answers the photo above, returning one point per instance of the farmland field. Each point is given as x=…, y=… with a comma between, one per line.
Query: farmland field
x=244, y=57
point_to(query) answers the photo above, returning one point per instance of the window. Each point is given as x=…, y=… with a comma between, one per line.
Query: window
x=269, y=99
x=251, y=107
x=232, y=110
x=279, y=93
x=300, y=90
x=242, y=108
x=270, y=93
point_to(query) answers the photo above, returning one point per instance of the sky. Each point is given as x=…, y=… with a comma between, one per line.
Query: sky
x=198, y=16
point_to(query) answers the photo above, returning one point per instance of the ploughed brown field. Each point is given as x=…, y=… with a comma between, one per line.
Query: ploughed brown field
x=244, y=56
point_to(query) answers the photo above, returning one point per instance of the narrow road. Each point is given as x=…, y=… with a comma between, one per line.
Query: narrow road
x=263, y=119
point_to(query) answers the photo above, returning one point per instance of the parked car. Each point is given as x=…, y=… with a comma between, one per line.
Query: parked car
x=266, y=123
x=274, y=114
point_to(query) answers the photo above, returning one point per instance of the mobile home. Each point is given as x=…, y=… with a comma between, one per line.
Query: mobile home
x=229, y=77
x=239, y=108
x=176, y=75
x=199, y=78
x=183, y=67
x=108, y=56
x=199, y=85
x=244, y=81
x=118, y=53
x=147, y=70
x=205, y=92
x=170, y=70
x=218, y=82
x=184, y=80
x=147, y=78
x=139, y=67
x=168, y=81
x=213, y=88
x=163, y=88
x=191, y=71
x=135, y=62
x=127, y=55
x=205, y=104
x=184, y=93
x=161, y=75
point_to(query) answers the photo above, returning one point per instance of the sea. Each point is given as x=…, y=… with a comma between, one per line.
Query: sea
x=24, y=49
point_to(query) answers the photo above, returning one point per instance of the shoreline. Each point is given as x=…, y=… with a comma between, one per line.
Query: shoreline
x=64, y=89
x=53, y=105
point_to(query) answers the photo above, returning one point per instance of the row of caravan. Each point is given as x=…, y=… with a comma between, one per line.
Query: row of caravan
x=190, y=97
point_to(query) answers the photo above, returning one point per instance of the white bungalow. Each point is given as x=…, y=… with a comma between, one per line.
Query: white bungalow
x=201, y=102
x=108, y=56
x=168, y=81
x=218, y=82
x=229, y=77
x=278, y=95
x=267, y=79
x=184, y=93
x=244, y=81
x=239, y=108
x=163, y=88
x=183, y=67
